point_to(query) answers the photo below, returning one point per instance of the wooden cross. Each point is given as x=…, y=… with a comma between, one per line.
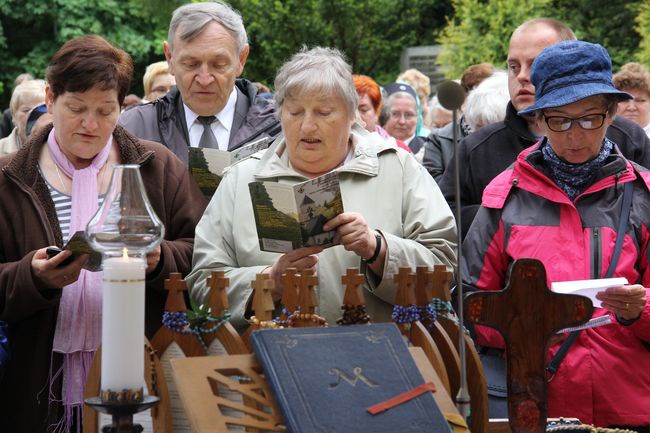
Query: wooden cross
x=405, y=295
x=440, y=279
x=218, y=298
x=527, y=314
x=307, y=295
x=263, y=305
x=352, y=281
x=175, y=285
x=307, y=300
x=290, y=292
x=423, y=292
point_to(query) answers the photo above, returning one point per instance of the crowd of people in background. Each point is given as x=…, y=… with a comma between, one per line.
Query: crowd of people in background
x=551, y=166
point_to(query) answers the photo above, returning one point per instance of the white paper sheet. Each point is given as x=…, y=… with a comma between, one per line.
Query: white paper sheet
x=587, y=288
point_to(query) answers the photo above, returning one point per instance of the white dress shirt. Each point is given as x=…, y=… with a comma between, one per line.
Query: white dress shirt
x=221, y=127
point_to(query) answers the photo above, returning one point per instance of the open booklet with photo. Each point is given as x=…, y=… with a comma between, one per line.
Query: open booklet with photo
x=207, y=165
x=292, y=216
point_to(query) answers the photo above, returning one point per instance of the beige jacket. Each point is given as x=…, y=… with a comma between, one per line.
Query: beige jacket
x=394, y=193
x=10, y=143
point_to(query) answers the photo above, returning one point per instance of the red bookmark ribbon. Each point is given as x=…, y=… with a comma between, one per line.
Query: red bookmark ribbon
x=402, y=398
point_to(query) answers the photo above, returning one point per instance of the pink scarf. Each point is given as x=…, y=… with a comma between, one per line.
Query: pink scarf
x=78, y=326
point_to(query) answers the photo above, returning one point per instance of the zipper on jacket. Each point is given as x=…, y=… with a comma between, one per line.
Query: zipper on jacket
x=596, y=253
x=37, y=205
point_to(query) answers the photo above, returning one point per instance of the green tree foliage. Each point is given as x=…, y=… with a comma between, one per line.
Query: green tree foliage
x=372, y=34
x=32, y=30
x=643, y=28
x=608, y=23
x=480, y=31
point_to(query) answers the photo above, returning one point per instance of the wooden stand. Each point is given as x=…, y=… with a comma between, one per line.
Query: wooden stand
x=199, y=379
x=445, y=333
x=196, y=378
x=415, y=331
x=225, y=334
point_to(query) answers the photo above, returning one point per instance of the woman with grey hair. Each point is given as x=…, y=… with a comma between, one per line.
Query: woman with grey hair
x=394, y=213
x=25, y=96
x=488, y=101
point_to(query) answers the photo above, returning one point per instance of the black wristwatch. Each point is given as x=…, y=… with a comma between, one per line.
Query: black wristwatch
x=372, y=259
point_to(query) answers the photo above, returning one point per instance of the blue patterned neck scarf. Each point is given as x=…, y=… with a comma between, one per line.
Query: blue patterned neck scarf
x=574, y=178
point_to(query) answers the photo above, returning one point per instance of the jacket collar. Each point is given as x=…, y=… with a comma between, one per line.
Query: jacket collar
x=447, y=131
x=24, y=164
x=529, y=169
x=519, y=125
x=366, y=147
x=23, y=167
x=528, y=174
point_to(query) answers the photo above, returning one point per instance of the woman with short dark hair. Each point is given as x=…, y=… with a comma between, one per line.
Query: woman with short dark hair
x=51, y=188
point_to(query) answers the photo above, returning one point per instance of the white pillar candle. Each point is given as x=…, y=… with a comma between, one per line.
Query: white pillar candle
x=123, y=323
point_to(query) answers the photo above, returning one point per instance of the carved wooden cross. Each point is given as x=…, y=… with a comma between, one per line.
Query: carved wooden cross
x=307, y=300
x=354, y=303
x=423, y=285
x=527, y=314
x=176, y=285
x=307, y=295
x=290, y=291
x=440, y=280
x=405, y=295
x=352, y=281
x=263, y=305
x=218, y=298
x=404, y=279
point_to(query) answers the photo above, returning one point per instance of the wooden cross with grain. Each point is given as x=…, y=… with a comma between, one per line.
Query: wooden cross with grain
x=527, y=314
x=307, y=299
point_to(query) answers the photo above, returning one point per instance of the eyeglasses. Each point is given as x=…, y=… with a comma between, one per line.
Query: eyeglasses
x=396, y=115
x=561, y=124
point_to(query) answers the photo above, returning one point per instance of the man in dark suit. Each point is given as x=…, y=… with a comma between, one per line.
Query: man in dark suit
x=210, y=106
x=487, y=152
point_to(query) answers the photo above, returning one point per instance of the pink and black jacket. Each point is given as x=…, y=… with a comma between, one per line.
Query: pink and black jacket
x=605, y=377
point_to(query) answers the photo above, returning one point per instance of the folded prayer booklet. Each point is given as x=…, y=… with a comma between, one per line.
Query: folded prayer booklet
x=288, y=217
x=207, y=165
x=79, y=245
x=587, y=288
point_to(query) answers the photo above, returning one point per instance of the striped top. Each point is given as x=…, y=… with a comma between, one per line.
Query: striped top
x=63, y=208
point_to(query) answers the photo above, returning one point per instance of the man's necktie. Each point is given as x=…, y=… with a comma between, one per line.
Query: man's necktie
x=207, y=138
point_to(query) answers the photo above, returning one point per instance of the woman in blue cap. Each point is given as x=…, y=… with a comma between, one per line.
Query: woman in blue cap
x=565, y=202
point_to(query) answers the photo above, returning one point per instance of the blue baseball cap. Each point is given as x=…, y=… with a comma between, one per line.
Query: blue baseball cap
x=33, y=116
x=400, y=87
x=570, y=71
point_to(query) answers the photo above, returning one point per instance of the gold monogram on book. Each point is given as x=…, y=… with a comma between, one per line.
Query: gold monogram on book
x=352, y=379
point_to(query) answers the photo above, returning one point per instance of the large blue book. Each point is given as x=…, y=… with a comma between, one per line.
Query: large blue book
x=325, y=379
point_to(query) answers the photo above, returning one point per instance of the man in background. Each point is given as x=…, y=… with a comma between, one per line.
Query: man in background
x=207, y=48
x=487, y=152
